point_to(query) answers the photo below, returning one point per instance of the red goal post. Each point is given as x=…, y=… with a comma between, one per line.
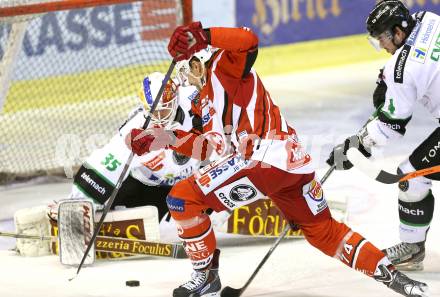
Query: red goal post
x=70, y=72
x=9, y=9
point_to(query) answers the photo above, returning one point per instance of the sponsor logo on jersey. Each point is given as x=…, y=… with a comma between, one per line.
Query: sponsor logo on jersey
x=238, y=193
x=314, y=196
x=400, y=64
x=92, y=183
x=413, y=212
x=432, y=153
x=425, y=37
x=204, y=180
x=155, y=164
x=419, y=55
x=395, y=127
x=226, y=201
x=413, y=36
x=175, y=204
x=218, y=171
x=207, y=117
x=297, y=157
x=424, y=40
x=435, y=55
x=212, y=175
x=194, y=95
x=242, y=193
x=315, y=191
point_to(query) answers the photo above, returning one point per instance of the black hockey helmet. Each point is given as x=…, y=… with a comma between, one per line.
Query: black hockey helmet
x=387, y=15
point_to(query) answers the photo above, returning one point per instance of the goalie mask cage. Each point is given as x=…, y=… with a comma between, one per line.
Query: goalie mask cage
x=70, y=74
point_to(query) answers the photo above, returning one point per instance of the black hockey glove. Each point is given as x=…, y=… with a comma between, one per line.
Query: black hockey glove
x=380, y=91
x=338, y=156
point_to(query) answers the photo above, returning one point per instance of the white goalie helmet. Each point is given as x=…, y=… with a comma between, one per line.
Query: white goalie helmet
x=166, y=109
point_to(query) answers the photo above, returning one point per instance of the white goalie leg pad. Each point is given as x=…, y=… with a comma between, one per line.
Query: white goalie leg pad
x=32, y=221
x=75, y=230
x=415, y=189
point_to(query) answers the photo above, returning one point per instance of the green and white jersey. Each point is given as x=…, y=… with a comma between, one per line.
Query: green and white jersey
x=412, y=76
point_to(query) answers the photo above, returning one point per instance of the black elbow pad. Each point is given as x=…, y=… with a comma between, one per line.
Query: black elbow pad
x=380, y=91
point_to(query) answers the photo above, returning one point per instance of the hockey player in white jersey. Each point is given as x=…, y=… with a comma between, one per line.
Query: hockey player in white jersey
x=411, y=76
x=150, y=176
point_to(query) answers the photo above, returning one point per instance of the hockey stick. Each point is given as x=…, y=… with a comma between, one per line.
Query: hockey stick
x=231, y=292
x=380, y=175
x=108, y=244
x=125, y=169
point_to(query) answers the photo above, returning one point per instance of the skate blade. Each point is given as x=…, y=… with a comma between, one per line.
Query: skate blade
x=410, y=266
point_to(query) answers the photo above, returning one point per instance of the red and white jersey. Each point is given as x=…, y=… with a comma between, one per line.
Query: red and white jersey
x=236, y=109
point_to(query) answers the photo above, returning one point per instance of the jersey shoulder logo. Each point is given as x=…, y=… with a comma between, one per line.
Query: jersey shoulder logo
x=399, y=68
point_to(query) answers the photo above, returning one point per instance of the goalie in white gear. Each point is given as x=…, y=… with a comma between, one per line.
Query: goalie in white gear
x=151, y=176
x=410, y=76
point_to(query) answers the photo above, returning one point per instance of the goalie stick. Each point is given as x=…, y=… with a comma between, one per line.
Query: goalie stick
x=136, y=247
x=231, y=292
x=380, y=175
x=124, y=170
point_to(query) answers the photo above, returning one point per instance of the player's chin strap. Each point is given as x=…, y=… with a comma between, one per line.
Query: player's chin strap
x=231, y=292
x=125, y=170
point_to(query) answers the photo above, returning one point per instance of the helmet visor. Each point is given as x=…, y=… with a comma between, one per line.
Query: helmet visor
x=378, y=40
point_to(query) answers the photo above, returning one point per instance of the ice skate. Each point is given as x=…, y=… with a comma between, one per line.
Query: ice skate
x=203, y=283
x=400, y=283
x=407, y=256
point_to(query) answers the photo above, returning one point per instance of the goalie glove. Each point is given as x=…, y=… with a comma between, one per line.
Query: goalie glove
x=338, y=156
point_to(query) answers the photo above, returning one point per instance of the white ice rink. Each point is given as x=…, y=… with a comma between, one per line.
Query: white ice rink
x=324, y=106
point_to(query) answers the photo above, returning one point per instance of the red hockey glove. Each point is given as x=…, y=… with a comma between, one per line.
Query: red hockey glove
x=187, y=40
x=155, y=139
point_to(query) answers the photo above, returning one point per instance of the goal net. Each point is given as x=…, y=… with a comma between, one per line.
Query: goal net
x=70, y=73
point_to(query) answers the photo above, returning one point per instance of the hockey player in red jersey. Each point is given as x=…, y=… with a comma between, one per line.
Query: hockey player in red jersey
x=262, y=156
